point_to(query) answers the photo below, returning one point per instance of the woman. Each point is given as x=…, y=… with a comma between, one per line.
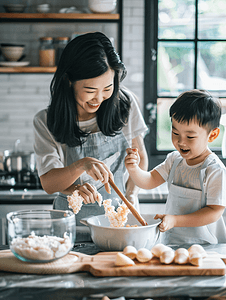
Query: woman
x=81, y=138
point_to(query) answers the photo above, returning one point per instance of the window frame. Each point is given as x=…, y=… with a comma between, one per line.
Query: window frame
x=150, y=77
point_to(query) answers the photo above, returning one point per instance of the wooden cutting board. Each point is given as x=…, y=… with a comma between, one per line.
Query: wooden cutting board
x=102, y=264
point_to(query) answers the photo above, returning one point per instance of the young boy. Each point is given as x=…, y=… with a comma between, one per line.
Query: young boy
x=196, y=177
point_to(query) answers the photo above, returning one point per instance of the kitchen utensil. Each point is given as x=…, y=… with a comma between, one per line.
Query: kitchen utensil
x=128, y=204
x=102, y=264
x=55, y=229
x=102, y=6
x=117, y=238
x=12, y=52
x=18, y=161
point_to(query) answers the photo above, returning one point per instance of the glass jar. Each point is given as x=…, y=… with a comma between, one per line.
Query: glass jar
x=60, y=44
x=46, y=52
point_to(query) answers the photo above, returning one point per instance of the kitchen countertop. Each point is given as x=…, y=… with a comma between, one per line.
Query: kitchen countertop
x=85, y=286
x=157, y=195
x=25, y=196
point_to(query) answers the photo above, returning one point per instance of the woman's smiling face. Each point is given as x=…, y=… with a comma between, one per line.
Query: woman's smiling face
x=191, y=140
x=90, y=93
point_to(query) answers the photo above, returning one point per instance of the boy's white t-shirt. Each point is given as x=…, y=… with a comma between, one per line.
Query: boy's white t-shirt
x=51, y=154
x=188, y=176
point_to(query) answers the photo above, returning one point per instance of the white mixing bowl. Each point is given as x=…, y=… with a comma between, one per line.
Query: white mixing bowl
x=117, y=238
x=102, y=6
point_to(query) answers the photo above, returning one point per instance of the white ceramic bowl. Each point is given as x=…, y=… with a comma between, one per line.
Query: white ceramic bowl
x=12, y=53
x=117, y=238
x=102, y=6
x=43, y=8
x=41, y=235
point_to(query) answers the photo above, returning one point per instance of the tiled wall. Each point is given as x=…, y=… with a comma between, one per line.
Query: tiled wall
x=22, y=95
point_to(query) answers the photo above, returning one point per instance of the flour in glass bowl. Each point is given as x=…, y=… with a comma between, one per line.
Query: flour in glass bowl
x=41, y=248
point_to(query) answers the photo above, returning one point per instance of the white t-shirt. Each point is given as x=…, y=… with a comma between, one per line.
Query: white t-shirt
x=51, y=154
x=188, y=176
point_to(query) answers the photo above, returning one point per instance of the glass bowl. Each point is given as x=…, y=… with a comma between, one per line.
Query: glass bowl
x=41, y=235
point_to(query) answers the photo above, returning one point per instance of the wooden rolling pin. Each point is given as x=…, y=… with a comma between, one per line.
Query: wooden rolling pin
x=128, y=204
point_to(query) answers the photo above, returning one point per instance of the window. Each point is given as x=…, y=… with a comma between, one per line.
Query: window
x=185, y=48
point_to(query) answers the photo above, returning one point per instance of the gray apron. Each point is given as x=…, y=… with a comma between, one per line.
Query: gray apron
x=111, y=151
x=182, y=201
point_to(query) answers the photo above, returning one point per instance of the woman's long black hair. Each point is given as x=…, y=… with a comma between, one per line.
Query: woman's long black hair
x=86, y=56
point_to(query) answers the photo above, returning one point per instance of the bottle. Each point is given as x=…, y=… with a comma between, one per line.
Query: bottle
x=46, y=52
x=60, y=43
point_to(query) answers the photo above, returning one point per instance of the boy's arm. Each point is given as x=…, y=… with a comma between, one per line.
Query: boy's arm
x=142, y=178
x=132, y=189
x=146, y=180
x=201, y=217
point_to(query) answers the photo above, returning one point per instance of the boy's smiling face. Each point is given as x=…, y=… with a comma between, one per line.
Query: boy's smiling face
x=191, y=141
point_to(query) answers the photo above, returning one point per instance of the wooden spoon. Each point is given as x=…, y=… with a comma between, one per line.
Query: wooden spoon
x=128, y=204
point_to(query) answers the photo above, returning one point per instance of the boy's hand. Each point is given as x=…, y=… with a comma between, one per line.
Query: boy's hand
x=132, y=159
x=168, y=222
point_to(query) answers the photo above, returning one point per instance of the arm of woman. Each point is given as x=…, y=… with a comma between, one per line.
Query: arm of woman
x=62, y=179
x=131, y=189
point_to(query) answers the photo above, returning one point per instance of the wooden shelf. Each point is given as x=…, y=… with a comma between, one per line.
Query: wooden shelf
x=27, y=69
x=58, y=16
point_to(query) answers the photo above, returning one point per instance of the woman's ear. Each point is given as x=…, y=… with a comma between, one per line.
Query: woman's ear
x=214, y=134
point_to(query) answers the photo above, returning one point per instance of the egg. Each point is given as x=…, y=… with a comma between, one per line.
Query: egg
x=181, y=256
x=196, y=248
x=144, y=255
x=130, y=252
x=167, y=256
x=158, y=249
x=196, y=259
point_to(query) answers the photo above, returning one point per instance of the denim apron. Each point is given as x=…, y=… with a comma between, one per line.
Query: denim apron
x=182, y=201
x=111, y=151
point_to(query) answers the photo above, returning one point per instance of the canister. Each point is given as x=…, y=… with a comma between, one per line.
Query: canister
x=60, y=44
x=46, y=52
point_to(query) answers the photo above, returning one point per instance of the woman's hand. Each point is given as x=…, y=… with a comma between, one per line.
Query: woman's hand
x=168, y=222
x=132, y=159
x=88, y=192
x=98, y=171
x=62, y=179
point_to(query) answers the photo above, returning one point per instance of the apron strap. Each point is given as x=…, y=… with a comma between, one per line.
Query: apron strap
x=171, y=174
x=201, y=178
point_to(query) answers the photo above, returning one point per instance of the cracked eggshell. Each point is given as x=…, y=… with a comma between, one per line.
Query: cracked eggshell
x=196, y=248
x=195, y=259
x=144, y=255
x=130, y=251
x=181, y=256
x=167, y=256
x=158, y=249
x=122, y=260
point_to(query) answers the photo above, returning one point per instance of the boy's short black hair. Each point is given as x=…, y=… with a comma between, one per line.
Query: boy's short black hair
x=197, y=105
